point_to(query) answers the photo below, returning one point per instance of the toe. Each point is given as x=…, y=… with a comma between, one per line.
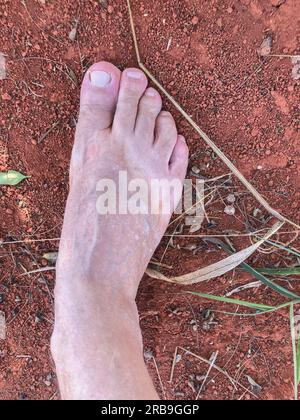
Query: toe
x=133, y=85
x=149, y=109
x=99, y=94
x=166, y=135
x=179, y=159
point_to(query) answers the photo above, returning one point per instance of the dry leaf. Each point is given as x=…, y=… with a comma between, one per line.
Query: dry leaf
x=255, y=387
x=218, y=269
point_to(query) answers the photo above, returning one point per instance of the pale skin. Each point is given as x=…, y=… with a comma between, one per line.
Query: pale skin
x=97, y=344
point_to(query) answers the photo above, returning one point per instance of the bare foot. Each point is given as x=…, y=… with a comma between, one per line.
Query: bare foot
x=97, y=344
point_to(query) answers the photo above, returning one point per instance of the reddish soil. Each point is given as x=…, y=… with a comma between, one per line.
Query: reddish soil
x=248, y=104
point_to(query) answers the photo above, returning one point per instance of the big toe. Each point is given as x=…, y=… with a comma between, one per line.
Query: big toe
x=99, y=95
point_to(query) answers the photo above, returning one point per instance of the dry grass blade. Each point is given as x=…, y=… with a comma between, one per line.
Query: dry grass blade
x=204, y=136
x=2, y=66
x=212, y=363
x=40, y=270
x=28, y=241
x=254, y=285
x=218, y=269
x=159, y=378
x=43, y=136
x=234, y=382
x=2, y=326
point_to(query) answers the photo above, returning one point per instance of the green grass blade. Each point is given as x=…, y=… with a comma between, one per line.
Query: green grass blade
x=279, y=289
x=298, y=363
x=293, y=271
x=283, y=248
x=294, y=347
x=256, y=306
x=259, y=276
x=11, y=178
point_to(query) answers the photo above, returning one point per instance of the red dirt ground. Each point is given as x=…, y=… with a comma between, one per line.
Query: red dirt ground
x=249, y=105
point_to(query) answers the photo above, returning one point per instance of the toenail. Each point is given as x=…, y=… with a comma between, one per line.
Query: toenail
x=100, y=78
x=132, y=74
x=165, y=114
x=151, y=92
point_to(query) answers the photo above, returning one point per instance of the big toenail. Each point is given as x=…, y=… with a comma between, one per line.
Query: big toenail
x=137, y=75
x=100, y=78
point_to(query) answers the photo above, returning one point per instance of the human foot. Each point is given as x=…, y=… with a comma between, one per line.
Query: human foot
x=121, y=128
x=102, y=258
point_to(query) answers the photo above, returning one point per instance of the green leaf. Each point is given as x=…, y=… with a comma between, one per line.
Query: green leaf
x=257, y=306
x=11, y=178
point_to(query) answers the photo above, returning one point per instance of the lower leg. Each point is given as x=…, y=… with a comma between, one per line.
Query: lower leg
x=98, y=352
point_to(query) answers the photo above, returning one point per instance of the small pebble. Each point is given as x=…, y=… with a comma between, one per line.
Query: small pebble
x=277, y=3
x=6, y=97
x=72, y=34
x=231, y=199
x=178, y=358
x=195, y=20
x=220, y=22
x=266, y=47
x=103, y=3
x=148, y=355
x=230, y=210
x=196, y=170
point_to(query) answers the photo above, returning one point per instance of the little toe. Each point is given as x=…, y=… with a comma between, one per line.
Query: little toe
x=148, y=111
x=99, y=94
x=179, y=159
x=133, y=85
x=166, y=135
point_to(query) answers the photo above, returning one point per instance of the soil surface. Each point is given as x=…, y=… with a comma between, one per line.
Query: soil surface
x=208, y=56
